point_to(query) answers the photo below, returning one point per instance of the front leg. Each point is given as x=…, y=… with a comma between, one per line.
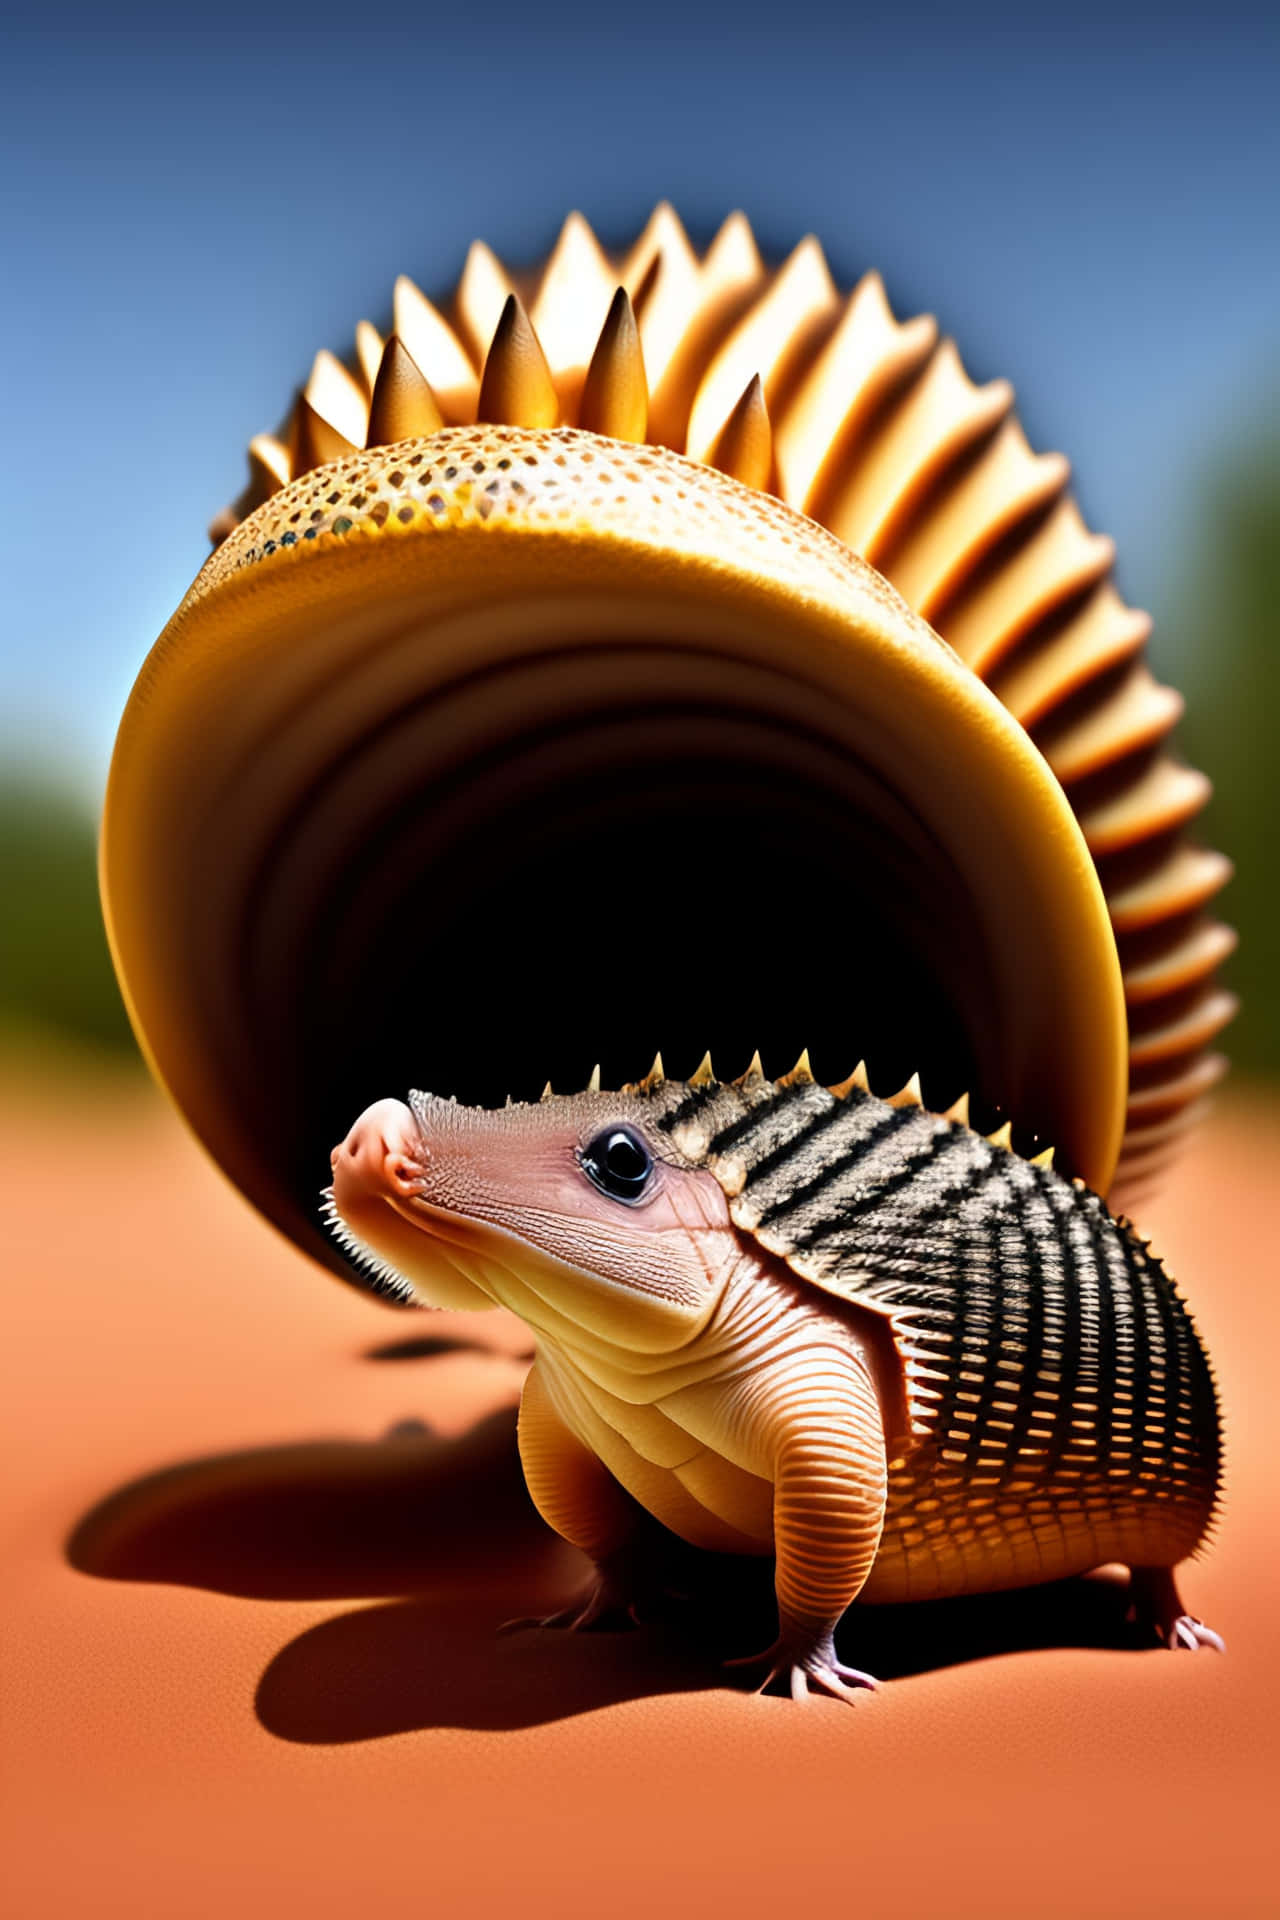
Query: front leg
x=821, y=1419
x=579, y=1498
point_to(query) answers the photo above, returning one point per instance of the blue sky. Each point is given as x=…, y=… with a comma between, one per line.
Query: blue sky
x=1089, y=204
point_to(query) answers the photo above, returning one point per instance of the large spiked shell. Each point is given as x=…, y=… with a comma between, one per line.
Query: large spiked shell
x=550, y=688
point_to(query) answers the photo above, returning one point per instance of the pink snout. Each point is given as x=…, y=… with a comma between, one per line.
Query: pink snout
x=382, y=1154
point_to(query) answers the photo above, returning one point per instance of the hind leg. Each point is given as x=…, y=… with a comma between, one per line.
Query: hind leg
x=1155, y=1608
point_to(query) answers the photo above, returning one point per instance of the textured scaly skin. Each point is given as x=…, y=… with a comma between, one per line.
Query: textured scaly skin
x=915, y=1365
x=1061, y=1411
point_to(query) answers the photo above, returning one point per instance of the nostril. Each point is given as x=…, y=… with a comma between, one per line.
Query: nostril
x=402, y=1173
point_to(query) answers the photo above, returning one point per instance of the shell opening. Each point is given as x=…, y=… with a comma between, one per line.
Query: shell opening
x=496, y=807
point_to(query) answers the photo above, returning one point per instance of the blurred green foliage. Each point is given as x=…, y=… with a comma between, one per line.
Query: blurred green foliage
x=56, y=979
x=1227, y=620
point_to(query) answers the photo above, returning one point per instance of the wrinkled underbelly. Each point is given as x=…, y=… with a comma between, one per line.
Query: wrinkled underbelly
x=708, y=1502
x=694, y=1491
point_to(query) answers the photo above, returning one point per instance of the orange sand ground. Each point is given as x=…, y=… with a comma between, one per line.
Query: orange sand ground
x=267, y=1683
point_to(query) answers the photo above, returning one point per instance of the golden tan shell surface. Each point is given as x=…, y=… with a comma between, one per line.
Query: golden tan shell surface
x=871, y=426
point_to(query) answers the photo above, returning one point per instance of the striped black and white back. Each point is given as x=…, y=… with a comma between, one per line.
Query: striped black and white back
x=1048, y=1356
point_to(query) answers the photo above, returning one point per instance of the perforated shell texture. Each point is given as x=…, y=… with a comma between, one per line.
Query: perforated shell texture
x=1054, y=1376
x=561, y=478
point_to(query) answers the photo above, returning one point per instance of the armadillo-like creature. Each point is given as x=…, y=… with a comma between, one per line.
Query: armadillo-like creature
x=804, y=1321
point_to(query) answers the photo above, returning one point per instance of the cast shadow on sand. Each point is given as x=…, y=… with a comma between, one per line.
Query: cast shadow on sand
x=432, y=1345
x=442, y=1534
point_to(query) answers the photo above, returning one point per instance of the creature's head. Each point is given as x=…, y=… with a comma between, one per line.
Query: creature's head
x=578, y=1212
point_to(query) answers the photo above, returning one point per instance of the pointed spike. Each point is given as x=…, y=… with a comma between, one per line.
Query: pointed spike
x=704, y=1073
x=547, y=1093
x=269, y=460
x=655, y=1075
x=615, y=396
x=435, y=347
x=734, y=250
x=1002, y=1137
x=368, y=351
x=1044, y=1159
x=958, y=1111
x=743, y=448
x=482, y=293
x=314, y=442
x=754, y=1072
x=908, y=1096
x=403, y=406
x=593, y=1084
x=794, y=300
x=644, y=289
x=662, y=275
x=662, y=234
x=508, y=1102
x=857, y=1079
x=573, y=293
x=517, y=389
x=268, y=472
x=336, y=394
x=800, y=1075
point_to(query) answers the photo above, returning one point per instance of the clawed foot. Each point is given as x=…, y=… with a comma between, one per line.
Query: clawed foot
x=624, y=1594
x=807, y=1669
x=1156, y=1607
x=600, y=1610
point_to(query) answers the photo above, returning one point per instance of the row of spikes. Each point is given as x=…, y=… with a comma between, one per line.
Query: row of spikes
x=516, y=389
x=802, y=1075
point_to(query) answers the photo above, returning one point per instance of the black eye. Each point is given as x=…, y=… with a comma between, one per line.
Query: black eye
x=619, y=1163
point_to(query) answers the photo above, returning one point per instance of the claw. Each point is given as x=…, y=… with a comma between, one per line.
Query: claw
x=773, y=1673
x=610, y=1605
x=597, y=1615
x=1156, y=1609
x=1191, y=1634
x=815, y=1670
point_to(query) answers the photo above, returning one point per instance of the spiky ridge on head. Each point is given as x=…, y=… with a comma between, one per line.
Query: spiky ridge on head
x=751, y=1125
